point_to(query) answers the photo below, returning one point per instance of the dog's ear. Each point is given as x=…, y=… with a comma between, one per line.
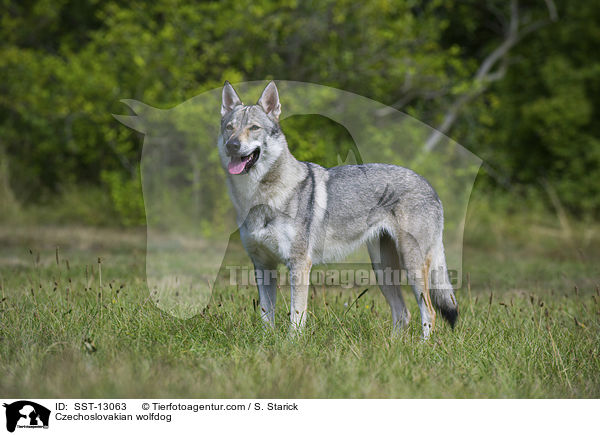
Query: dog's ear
x=230, y=99
x=269, y=101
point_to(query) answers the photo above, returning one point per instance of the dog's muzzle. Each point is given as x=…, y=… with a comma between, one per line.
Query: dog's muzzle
x=233, y=146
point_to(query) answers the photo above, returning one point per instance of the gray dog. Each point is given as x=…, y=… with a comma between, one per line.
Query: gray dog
x=300, y=214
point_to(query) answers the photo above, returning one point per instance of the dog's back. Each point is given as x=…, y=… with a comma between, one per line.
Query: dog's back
x=365, y=195
x=363, y=201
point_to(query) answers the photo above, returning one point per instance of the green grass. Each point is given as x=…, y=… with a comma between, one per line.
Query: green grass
x=524, y=330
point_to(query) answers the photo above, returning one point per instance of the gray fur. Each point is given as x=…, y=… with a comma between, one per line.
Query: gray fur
x=300, y=214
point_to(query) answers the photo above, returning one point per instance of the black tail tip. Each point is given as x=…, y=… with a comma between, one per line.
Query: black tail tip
x=451, y=316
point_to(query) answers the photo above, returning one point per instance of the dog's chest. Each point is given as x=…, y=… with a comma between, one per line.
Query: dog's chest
x=268, y=235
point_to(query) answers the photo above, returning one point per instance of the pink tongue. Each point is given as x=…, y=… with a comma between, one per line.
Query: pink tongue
x=237, y=165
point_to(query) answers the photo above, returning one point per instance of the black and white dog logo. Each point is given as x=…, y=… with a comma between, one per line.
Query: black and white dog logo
x=26, y=414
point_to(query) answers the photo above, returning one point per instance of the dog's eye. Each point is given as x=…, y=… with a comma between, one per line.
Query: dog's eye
x=229, y=127
x=255, y=127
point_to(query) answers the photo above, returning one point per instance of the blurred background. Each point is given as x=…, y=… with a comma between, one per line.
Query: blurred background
x=515, y=82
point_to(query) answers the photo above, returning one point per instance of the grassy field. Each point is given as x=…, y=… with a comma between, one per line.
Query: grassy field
x=529, y=327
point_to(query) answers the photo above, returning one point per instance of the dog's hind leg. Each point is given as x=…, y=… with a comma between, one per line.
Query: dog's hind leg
x=266, y=280
x=418, y=265
x=384, y=255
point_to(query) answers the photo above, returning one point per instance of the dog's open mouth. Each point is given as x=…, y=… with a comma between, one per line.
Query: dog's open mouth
x=240, y=165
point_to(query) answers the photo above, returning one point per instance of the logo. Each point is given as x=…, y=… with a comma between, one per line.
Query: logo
x=26, y=414
x=185, y=187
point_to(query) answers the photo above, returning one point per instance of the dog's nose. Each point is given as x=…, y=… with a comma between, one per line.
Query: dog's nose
x=233, y=145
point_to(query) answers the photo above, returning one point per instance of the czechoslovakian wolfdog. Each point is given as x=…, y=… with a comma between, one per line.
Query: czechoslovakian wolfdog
x=300, y=214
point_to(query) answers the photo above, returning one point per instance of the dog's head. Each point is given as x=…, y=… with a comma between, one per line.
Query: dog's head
x=250, y=139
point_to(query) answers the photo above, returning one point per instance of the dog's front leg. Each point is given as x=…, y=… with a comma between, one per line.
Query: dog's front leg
x=266, y=280
x=299, y=281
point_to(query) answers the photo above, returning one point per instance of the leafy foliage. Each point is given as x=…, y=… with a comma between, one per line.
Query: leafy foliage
x=66, y=64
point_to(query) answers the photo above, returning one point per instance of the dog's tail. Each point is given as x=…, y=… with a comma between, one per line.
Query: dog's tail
x=442, y=294
x=445, y=302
